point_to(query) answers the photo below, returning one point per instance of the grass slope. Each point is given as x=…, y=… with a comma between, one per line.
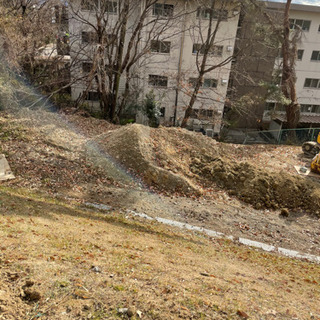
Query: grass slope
x=60, y=260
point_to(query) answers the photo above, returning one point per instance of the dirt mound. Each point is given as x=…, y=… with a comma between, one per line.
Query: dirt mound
x=176, y=160
x=133, y=146
x=259, y=187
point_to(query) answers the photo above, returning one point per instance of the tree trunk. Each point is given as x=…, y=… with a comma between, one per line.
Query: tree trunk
x=117, y=71
x=191, y=103
x=289, y=48
x=211, y=35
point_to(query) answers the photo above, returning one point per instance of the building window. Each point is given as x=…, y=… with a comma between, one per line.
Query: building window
x=110, y=7
x=312, y=83
x=110, y=38
x=270, y=106
x=310, y=108
x=158, y=81
x=92, y=37
x=104, y=6
x=210, y=83
x=300, y=24
x=319, y=28
x=89, y=4
x=93, y=96
x=214, y=50
x=163, y=10
x=89, y=37
x=207, y=83
x=300, y=54
x=315, y=56
x=204, y=13
x=209, y=113
x=86, y=67
x=160, y=46
x=201, y=113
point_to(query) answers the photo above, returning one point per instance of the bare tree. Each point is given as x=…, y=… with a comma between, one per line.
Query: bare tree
x=288, y=35
x=215, y=13
x=115, y=36
x=29, y=32
x=289, y=53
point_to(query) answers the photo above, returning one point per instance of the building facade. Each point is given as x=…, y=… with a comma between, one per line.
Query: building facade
x=307, y=19
x=260, y=62
x=171, y=45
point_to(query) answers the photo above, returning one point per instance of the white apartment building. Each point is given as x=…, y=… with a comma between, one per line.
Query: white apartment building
x=307, y=68
x=170, y=66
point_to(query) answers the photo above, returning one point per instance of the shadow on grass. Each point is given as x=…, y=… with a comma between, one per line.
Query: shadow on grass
x=34, y=206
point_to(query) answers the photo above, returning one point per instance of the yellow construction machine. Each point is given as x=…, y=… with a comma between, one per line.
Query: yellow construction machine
x=315, y=164
x=311, y=148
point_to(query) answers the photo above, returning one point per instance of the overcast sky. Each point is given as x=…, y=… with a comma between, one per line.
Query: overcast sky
x=312, y=2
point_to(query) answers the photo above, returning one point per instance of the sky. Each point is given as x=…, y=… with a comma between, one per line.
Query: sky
x=310, y=2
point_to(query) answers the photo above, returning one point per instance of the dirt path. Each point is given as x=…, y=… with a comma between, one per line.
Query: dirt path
x=298, y=232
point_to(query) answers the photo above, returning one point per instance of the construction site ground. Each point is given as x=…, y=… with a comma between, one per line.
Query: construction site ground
x=156, y=172
x=244, y=191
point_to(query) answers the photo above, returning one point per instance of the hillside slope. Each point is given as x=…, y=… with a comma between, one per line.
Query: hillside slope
x=150, y=170
x=62, y=260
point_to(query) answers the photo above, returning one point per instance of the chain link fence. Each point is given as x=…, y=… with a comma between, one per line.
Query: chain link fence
x=284, y=136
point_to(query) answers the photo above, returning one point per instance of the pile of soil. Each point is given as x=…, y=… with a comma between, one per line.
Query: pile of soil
x=72, y=156
x=177, y=160
x=133, y=147
x=171, y=160
x=257, y=186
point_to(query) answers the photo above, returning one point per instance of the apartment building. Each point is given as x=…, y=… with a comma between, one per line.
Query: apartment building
x=261, y=62
x=173, y=36
x=307, y=18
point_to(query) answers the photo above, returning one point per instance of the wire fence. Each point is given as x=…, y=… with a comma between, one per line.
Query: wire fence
x=284, y=136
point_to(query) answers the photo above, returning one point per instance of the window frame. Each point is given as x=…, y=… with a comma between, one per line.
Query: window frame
x=314, y=108
x=211, y=83
x=93, y=96
x=159, y=46
x=192, y=81
x=163, y=10
x=293, y=23
x=156, y=81
x=302, y=52
x=312, y=81
x=204, y=14
x=215, y=51
x=88, y=37
x=90, y=5
x=317, y=52
x=86, y=66
x=202, y=113
x=114, y=5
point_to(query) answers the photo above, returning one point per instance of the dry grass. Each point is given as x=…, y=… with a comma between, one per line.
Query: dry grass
x=147, y=267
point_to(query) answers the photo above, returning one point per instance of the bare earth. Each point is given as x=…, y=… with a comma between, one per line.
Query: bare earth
x=60, y=259
x=164, y=172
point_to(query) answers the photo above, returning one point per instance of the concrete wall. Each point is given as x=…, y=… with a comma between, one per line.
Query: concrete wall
x=306, y=68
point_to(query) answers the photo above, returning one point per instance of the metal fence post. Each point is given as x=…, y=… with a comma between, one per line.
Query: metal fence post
x=312, y=134
x=279, y=137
